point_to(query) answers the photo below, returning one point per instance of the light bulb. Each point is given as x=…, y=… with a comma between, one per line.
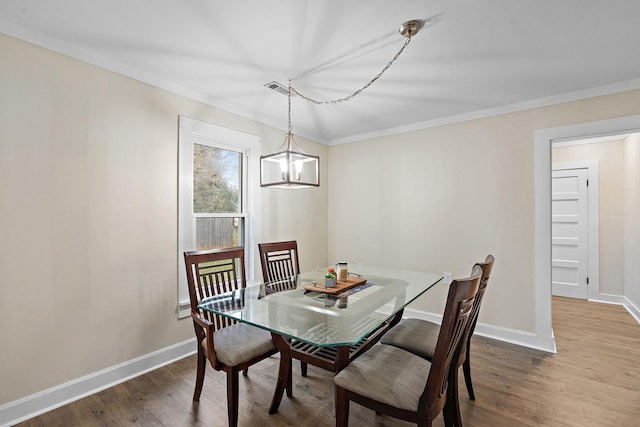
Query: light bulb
x=283, y=168
x=298, y=169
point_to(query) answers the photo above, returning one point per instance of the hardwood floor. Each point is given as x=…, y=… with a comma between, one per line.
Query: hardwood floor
x=594, y=380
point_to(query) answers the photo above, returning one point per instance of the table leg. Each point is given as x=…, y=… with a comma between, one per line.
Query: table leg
x=396, y=318
x=284, y=372
x=342, y=358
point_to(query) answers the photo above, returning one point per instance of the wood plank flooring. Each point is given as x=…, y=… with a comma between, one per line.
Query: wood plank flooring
x=594, y=380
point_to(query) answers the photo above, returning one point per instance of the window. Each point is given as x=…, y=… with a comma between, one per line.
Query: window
x=218, y=197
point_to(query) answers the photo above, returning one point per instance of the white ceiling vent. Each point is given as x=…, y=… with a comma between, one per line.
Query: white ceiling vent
x=278, y=87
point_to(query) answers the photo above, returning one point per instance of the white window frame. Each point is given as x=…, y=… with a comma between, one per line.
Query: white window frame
x=193, y=131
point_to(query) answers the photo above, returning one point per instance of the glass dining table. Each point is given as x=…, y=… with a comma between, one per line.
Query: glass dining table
x=323, y=326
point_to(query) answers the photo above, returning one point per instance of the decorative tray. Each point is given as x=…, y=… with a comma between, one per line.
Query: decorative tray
x=341, y=285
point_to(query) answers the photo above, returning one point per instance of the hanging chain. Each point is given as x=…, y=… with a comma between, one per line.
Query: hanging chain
x=346, y=98
x=289, y=97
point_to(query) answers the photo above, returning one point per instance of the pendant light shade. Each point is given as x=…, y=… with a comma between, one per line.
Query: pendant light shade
x=289, y=167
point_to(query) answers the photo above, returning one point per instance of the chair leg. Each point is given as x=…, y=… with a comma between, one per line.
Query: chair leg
x=342, y=408
x=232, y=397
x=466, y=368
x=303, y=368
x=202, y=365
x=451, y=409
x=446, y=414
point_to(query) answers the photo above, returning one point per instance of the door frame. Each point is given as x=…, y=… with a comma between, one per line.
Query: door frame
x=543, y=138
x=593, y=220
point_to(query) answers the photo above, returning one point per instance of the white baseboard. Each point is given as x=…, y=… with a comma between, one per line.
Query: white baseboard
x=527, y=339
x=39, y=403
x=513, y=336
x=632, y=309
x=609, y=299
x=44, y=401
x=620, y=300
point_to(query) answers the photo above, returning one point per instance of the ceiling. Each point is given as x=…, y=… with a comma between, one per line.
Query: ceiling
x=472, y=58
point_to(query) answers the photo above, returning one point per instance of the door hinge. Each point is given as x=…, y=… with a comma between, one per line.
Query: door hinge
x=587, y=280
x=587, y=183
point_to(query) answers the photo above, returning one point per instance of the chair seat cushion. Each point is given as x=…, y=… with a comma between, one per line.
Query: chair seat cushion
x=415, y=335
x=239, y=343
x=387, y=374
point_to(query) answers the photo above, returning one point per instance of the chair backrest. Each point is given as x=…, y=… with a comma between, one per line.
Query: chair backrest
x=213, y=272
x=279, y=261
x=486, y=267
x=455, y=324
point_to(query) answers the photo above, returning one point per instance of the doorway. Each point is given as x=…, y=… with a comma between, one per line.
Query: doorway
x=543, y=140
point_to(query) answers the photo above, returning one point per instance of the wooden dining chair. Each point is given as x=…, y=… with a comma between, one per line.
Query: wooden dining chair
x=398, y=383
x=229, y=346
x=412, y=334
x=280, y=266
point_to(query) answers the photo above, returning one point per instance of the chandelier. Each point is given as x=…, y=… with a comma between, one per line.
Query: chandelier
x=290, y=167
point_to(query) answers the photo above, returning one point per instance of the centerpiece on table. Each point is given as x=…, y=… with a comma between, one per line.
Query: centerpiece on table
x=330, y=279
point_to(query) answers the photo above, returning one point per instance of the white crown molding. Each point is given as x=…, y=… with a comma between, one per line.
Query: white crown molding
x=490, y=112
x=594, y=140
x=26, y=34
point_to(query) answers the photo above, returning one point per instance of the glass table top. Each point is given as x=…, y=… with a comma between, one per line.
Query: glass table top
x=322, y=319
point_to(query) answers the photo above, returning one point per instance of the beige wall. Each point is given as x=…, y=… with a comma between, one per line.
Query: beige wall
x=441, y=198
x=632, y=218
x=611, y=201
x=88, y=212
x=89, y=199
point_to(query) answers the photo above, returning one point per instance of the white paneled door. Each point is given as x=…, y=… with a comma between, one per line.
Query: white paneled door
x=569, y=233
